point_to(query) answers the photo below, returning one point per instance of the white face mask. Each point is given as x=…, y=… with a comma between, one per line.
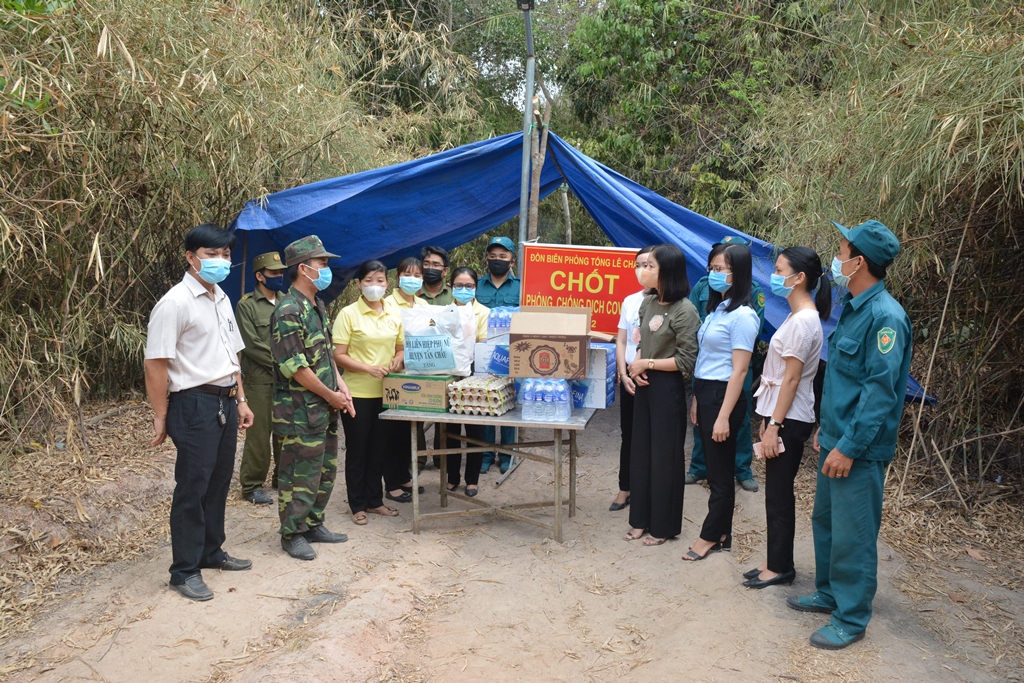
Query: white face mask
x=639, y=272
x=373, y=292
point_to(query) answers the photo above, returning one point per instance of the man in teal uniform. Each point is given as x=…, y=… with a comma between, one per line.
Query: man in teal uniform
x=499, y=287
x=862, y=401
x=744, y=438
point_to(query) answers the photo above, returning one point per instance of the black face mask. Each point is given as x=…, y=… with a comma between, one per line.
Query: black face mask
x=432, y=276
x=498, y=267
x=274, y=283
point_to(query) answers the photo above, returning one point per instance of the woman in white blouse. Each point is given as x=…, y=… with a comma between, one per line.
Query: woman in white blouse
x=785, y=402
x=726, y=341
x=625, y=352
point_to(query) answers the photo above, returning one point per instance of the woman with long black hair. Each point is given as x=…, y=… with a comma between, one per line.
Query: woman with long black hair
x=726, y=342
x=785, y=402
x=661, y=372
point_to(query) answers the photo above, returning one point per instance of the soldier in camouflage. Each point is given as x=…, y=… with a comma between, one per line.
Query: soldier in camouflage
x=308, y=393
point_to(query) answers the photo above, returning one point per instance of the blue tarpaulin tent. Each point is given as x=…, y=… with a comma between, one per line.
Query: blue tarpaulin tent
x=450, y=198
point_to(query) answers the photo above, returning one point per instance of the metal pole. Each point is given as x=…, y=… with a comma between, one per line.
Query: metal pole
x=565, y=209
x=524, y=187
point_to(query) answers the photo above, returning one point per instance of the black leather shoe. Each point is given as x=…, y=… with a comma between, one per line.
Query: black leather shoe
x=783, y=579
x=258, y=497
x=752, y=574
x=194, y=588
x=408, y=489
x=320, y=534
x=615, y=507
x=405, y=497
x=298, y=547
x=230, y=564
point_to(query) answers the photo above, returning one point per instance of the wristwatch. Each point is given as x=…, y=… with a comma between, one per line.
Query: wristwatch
x=773, y=423
x=242, y=400
x=650, y=364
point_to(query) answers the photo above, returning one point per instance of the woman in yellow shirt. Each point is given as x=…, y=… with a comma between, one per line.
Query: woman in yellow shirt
x=368, y=344
x=463, y=284
x=408, y=281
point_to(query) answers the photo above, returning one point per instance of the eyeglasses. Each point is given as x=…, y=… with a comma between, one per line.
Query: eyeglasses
x=463, y=286
x=434, y=264
x=719, y=269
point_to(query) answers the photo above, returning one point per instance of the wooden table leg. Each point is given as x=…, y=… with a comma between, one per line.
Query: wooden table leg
x=415, y=481
x=558, y=485
x=573, y=453
x=444, y=461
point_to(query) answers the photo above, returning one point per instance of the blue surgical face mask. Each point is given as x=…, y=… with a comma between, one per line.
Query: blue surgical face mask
x=409, y=284
x=464, y=296
x=837, y=272
x=719, y=282
x=214, y=270
x=275, y=283
x=778, y=284
x=323, y=280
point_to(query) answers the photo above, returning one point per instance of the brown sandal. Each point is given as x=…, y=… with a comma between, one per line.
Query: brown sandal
x=360, y=518
x=384, y=511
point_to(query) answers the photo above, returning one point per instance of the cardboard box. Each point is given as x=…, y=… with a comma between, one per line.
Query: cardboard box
x=593, y=393
x=490, y=359
x=550, y=342
x=417, y=392
x=602, y=360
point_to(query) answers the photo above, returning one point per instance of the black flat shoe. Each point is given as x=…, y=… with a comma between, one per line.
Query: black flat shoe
x=752, y=574
x=615, y=507
x=408, y=489
x=406, y=497
x=783, y=579
x=472, y=492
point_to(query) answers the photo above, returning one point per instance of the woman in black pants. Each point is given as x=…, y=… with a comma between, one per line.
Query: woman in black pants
x=663, y=364
x=785, y=400
x=726, y=341
x=625, y=352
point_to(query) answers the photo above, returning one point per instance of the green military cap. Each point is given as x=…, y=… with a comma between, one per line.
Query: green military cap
x=269, y=261
x=874, y=240
x=304, y=249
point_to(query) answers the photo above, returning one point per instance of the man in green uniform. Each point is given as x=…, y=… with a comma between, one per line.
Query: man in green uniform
x=435, y=290
x=308, y=393
x=744, y=438
x=862, y=402
x=253, y=315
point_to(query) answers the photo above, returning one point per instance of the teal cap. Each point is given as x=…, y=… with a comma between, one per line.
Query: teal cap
x=503, y=242
x=874, y=240
x=734, y=239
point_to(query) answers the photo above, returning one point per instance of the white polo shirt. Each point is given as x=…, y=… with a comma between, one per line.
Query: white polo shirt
x=197, y=333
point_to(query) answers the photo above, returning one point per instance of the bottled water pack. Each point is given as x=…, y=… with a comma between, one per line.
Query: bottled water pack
x=546, y=400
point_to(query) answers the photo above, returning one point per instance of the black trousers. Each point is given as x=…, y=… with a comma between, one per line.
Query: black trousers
x=657, y=466
x=366, y=442
x=719, y=455
x=397, y=457
x=779, y=499
x=626, y=403
x=202, y=475
x=473, y=460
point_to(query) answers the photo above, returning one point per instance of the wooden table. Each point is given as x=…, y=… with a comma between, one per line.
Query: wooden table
x=523, y=449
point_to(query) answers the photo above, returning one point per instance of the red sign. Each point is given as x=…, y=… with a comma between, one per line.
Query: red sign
x=598, y=278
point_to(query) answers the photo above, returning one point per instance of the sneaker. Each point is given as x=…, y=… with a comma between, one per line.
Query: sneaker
x=748, y=484
x=298, y=547
x=808, y=603
x=258, y=497
x=230, y=564
x=834, y=637
x=320, y=534
x=691, y=479
x=194, y=588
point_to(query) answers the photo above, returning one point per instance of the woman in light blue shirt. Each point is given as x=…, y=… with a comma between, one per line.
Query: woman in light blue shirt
x=726, y=341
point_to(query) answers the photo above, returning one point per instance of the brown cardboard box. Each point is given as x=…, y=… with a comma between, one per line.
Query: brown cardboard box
x=417, y=392
x=547, y=341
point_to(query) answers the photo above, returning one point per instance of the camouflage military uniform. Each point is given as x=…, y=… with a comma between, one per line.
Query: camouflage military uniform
x=300, y=337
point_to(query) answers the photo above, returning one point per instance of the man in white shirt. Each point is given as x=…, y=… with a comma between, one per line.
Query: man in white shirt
x=194, y=384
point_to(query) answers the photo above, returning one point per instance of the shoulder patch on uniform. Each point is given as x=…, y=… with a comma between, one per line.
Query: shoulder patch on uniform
x=760, y=299
x=246, y=297
x=886, y=339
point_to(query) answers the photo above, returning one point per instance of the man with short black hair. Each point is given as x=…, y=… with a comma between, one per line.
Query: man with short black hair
x=862, y=402
x=192, y=352
x=436, y=291
x=253, y=314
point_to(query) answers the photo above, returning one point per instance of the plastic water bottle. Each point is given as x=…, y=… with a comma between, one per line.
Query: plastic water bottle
x=528, y=399
x=564, y=407
x=548, y=412
x=492, y=324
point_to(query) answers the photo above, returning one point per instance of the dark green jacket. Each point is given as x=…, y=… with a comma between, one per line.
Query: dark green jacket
x=301, y=338
x=253, y=316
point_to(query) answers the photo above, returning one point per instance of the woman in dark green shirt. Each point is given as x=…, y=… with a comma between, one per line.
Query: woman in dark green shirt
x=661, y=371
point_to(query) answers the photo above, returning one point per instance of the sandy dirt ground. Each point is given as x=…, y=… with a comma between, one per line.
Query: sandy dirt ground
x=482, y=599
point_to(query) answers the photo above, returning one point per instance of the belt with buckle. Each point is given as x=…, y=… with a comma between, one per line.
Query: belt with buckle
x=218, y=391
